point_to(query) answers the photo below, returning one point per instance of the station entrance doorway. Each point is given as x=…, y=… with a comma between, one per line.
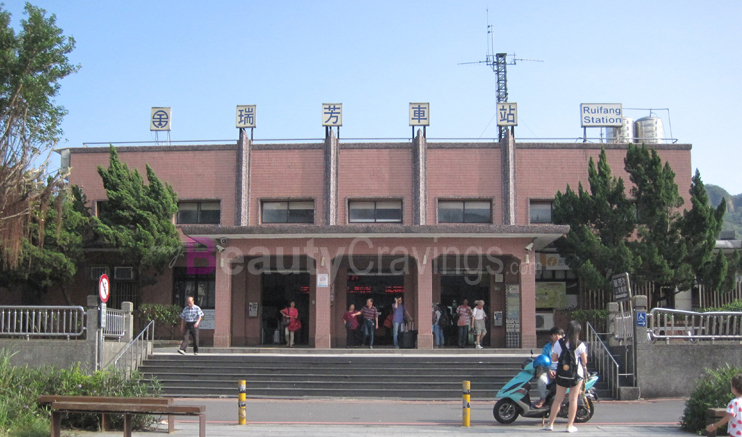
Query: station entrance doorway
x=457, y=287
x=382, y=288
x=279, y=289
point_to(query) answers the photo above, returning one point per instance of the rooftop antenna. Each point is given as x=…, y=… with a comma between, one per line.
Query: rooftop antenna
x=498, y=62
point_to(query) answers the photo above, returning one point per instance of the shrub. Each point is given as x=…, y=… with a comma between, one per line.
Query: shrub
x=711, y=391
x=167, y=316
x=597, y=319
x=734, y=306
x=20, y=386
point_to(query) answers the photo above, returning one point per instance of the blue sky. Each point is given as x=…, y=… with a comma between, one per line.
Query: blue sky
x=288, y=57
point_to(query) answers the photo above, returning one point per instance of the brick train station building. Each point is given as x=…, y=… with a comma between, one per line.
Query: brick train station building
x=330, y=223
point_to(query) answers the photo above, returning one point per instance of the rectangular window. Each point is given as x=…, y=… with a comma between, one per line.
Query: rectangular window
x=201, y=287
x=301, y=211
x=540, y=211
x=464, y=211
x=201, y=213
x=373, y=211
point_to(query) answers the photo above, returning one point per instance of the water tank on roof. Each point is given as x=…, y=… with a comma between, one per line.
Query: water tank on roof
x=649, y=130
x=623, y=134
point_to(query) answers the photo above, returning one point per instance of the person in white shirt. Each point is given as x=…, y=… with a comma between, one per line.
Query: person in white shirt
x=572, y=342
x=477, y=323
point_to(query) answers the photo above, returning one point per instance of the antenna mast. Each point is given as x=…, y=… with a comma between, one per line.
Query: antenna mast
x=498, y=62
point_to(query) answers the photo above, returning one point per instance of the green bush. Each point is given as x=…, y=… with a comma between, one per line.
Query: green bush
x=20, y=386
x=711, y=391
x=734, y=306
x=165, y=316
x=597, y=319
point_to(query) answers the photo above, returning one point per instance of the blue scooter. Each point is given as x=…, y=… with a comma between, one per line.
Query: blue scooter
x=515, y=399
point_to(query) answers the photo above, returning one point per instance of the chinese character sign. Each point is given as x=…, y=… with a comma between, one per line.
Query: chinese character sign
x=332, y=114
x=246, y=115
x=419, y=114
x=160, y=119
x=621, y=287
x=507, y=114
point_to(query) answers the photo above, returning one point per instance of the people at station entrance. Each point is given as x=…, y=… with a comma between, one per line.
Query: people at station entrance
x=478, y=324
x=291, y=321
x=370, y=321
x=463, y=314
x=555, y=333
x=437, y=328
x=351, y=325
x=190, y=317
x=400, y=317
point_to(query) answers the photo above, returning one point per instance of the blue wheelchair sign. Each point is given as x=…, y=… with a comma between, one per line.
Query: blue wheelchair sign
x=641, y=318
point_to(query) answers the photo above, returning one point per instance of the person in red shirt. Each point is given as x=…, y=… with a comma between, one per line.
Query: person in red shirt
x=351, y=325
x=463, y=312
x=292, y=314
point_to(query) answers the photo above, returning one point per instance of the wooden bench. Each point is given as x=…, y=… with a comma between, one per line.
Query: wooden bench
x=120, y=405
x=714, y=414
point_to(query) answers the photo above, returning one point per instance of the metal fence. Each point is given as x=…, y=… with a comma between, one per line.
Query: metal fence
x=667, y=324
x=42, y=321
x=115, y=324
x=600, y=355
x=136, y=351
x=624, y=328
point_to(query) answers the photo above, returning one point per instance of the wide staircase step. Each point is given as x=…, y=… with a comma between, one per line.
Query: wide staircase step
x=380, y=375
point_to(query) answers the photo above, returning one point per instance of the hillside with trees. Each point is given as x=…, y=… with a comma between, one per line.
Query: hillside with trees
x=733, y=217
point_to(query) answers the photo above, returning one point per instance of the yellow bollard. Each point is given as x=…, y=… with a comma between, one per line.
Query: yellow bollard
x=466, y=417
x=242, y=403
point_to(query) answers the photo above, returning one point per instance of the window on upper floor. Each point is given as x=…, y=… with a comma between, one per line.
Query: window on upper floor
x=295, y=211
x=375, y=211
x=464, y=211
x=201, y=213
x=540, y=211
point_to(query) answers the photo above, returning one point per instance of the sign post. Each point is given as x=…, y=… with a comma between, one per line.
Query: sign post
x=104, y=291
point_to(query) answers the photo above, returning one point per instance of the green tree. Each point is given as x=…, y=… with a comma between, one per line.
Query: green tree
x=644, y=235
x=32, y=62
x=50, y=255
x=601, y=222
x=137, y=219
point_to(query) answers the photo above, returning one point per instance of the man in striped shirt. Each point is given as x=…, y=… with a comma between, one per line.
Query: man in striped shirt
x=370, y=321
x=189, y=320
x=464, y=314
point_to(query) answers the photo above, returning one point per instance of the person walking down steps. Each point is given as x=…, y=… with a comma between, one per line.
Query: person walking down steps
x=190, y=317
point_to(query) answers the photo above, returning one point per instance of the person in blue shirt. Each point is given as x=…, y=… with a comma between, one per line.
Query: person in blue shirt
x=545, y=378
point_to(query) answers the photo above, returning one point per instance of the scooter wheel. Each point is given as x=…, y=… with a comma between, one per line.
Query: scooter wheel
x=585, y=413
x=505, y=411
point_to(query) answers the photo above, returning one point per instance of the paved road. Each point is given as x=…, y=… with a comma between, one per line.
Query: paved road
x=343, y=417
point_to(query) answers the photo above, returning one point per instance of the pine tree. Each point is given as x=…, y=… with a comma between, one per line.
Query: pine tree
x=138, y=218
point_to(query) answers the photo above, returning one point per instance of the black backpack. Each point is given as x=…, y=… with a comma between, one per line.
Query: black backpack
x=443, y=319
x=566, y=373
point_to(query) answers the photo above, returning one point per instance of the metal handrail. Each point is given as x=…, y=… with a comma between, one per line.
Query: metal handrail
x=134, y=353
x=606, y=364
x=115, y=324
x=666, y=324
x=42, y=321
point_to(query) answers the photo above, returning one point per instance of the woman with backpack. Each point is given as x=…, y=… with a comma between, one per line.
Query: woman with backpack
x=571, y=356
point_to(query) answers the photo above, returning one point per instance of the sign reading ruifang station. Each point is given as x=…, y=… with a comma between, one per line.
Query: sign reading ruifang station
x=601, y=114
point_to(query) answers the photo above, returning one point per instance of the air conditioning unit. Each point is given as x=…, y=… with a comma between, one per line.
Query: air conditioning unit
x=97, y=271
x=123, y=273
x=544, y=321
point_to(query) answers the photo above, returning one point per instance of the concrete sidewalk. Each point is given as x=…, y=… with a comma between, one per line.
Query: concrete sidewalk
x=188, y=429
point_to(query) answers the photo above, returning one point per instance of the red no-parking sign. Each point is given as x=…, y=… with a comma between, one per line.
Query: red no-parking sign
x=104, y=288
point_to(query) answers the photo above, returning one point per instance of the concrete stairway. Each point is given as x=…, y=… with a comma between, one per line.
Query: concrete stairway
x=379, y=375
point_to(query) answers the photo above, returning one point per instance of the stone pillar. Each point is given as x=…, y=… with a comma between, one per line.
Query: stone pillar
x=419, y=179
x=611, y=323
x=223, y=310
x=254, y=325
x=242, y=191
x=320, y=306
x=423, y=319
x=507, y=150
x=339, y=307
x=332, y=151
x=128, y=309
x=528, y=304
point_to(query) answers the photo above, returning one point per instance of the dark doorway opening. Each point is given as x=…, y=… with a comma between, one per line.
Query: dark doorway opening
x=456, y=288
x=382, y=289
x=279, y=289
